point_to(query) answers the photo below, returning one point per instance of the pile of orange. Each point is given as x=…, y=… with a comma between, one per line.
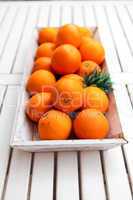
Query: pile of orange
x=56, y=86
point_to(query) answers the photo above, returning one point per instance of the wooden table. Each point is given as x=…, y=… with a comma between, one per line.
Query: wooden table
x=66, y=175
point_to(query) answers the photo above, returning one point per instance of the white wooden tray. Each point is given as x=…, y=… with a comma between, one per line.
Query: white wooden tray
x=24, y=134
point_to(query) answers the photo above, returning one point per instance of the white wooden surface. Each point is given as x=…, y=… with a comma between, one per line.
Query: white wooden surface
x=75, y=175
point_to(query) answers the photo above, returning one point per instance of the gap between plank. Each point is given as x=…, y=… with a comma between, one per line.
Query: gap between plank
x=79, y=176
x=55, y=176
x=60, y=16
x=83, y=15
x=126, y=167
x=129, y=95
x=3, y=99
x=103, y=172
x=49, y=14
x=30, y=178
x=72, y=14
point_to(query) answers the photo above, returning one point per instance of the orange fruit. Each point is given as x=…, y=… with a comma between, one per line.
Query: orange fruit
x=40, y=81
x=69, y=94
x=87, y=67
x=94, y=97
x=69, y=34
x=42, y=63
x=66, y=59
x=37, y=105
x=74, y=76
x=45, y=50
x=85, y=31
x=54, y=125
x=91, y=124
x=93, y=50
x=48, y=34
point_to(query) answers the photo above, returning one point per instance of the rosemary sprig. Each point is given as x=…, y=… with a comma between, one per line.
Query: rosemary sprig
x=99, y=79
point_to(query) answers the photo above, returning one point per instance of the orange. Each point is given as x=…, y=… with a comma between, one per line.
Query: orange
x=37, y=105
x=45, y=50
x=42, y=63
x=54, y=125
x=91, y=49
x=74, y=76
x=85, y=31
x=40, y=81
x=69, y=94
x=87, y=67
x=48, y=34
x=91, y=124
x=96, y=98
x=66, y=59
x=69, y=34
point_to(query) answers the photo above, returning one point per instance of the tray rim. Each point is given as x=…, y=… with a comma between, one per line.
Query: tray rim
x=68, y=145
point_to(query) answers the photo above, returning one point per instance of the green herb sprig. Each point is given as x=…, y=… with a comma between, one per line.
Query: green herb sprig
x=99, y=79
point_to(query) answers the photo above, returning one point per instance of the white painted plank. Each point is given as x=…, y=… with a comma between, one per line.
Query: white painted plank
x=66, y=15
x=67, y=176
x=13, y=41
x=6, y=121
x=122, y=77
x=125, y=56
x=54, y=17
x=126, y=24
x=107, y=40
x=78, y=15
x=6, y=27
x=92, y=184
x=10, y=79
x=28, y=31
x=89, y=19
x=116, y=176
x=43, y=16
x=43, y=177
x=18, y=178
x=125, y=112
